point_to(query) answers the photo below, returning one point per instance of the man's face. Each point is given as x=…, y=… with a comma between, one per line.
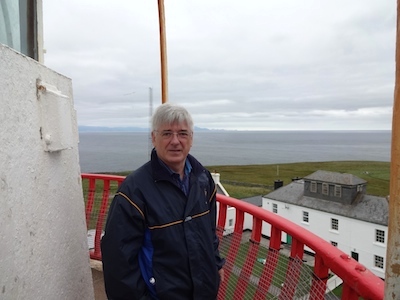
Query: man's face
x=173, y=143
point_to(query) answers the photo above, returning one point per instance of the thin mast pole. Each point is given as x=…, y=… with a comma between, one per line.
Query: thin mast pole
x=163, y=52
x=150, y=116
x=392, y=273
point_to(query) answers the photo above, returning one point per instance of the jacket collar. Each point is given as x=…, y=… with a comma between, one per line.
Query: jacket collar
x=162, y=172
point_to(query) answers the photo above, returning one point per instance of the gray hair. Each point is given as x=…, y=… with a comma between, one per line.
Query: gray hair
x=168, y=113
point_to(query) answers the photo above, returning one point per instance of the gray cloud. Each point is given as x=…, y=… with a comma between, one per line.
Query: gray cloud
x=269, y=65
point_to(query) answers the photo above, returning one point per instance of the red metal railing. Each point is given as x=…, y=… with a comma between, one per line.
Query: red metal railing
x=241, y=269
x=96, y=209
x=357, y=280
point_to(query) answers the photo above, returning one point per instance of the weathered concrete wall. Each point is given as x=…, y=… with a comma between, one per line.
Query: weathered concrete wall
x=43, y=252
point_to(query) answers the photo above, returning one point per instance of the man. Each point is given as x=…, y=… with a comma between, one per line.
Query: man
x=160, y=241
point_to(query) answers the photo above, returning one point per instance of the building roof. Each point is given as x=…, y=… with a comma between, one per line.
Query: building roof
x=221, y=190
x=368, y=208
x=335, y=178
x=256, y=200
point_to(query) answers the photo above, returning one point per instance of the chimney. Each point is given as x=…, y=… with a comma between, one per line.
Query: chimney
x=216, y=177
x=277, y=184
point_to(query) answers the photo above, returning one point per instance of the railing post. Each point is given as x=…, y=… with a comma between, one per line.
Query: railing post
x=348, y=293
x=271, y=262
x=251, y=258
x=100, y=219
x=222, y=211
x=90, y=200
x=293, y=270
x=319, y=280
x=232, y=253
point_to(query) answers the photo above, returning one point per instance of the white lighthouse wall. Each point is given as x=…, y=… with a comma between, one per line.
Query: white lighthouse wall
x=43, y=252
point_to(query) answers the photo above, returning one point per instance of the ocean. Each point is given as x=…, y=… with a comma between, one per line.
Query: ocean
x=126, y=151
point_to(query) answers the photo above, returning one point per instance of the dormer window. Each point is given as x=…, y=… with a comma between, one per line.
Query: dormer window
x=325, y=189
x=313, y=187
x=338, y=191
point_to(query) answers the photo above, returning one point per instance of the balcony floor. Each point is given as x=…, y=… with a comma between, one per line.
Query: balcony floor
x=98, y=281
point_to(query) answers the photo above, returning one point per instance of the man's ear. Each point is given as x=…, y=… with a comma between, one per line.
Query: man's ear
x=153, y=138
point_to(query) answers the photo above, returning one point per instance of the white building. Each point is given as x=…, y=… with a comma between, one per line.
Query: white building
x=335, y=207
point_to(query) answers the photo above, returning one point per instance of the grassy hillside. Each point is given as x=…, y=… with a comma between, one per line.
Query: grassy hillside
x=253, y=180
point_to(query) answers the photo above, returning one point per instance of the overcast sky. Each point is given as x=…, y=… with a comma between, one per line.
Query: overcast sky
x=246, y=65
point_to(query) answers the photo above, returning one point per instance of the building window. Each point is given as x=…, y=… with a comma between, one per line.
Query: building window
x=305, y=216
x=380, y=236
x=230, y=222
x=313, y=187
x=338, y=191
x=334, y=243
x=275, y=208
x=334, y=224
x=354, y=255
x=359, y=188
x=378, y=261
x=325, y=189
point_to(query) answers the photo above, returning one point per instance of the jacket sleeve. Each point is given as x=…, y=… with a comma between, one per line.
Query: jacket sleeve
x=120, y=246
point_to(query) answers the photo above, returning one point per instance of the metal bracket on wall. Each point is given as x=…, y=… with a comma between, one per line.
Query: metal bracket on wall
x=56, y=129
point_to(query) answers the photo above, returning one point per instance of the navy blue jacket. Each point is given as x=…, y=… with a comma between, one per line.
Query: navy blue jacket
x=160, y=243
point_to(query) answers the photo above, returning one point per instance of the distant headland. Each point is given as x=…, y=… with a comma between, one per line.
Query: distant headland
x=127, y=129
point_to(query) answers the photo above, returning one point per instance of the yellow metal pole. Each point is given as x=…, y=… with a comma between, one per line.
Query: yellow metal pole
x=163, y=52
x=392, y=273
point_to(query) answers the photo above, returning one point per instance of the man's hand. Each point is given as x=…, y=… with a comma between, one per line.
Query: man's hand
x=221, y=274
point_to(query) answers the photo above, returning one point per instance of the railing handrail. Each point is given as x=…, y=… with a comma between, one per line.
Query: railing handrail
x=117, y=178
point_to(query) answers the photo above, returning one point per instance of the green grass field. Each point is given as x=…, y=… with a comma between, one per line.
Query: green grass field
x=252, y=180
